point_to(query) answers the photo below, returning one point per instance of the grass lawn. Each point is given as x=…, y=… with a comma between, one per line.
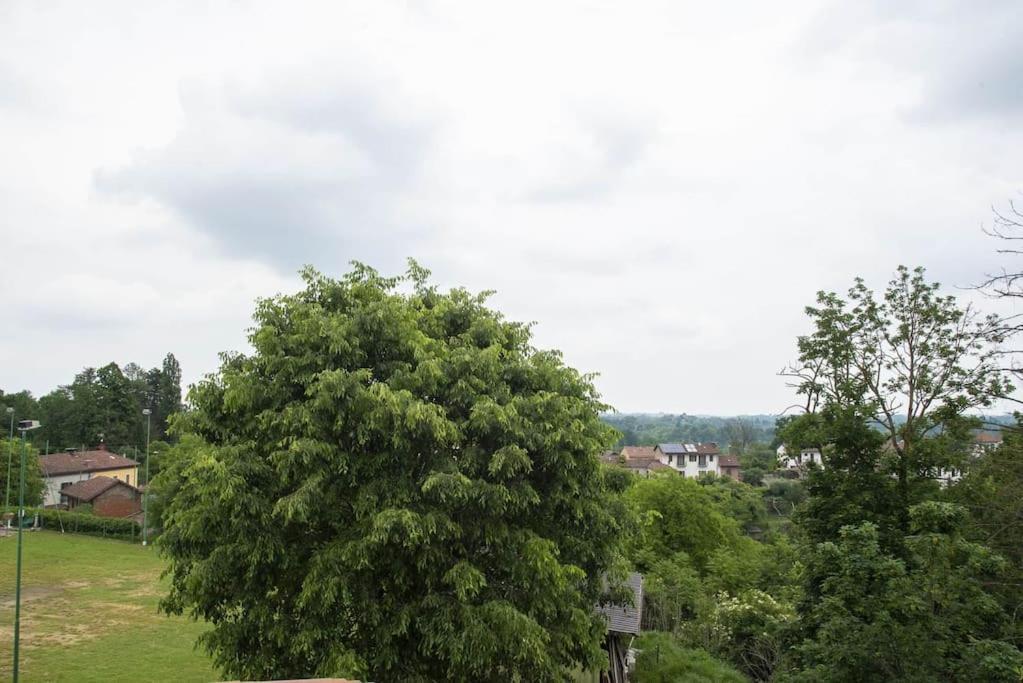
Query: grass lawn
x=88, y=613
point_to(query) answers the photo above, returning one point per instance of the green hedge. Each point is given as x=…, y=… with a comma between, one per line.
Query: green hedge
x=77, y=523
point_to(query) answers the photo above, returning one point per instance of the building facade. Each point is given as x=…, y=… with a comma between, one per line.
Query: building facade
x=61, y=470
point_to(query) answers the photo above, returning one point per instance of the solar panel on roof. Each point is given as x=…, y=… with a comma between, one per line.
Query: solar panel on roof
x=690, y=448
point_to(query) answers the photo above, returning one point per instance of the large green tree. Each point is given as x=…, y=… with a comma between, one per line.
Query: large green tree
x=911, y=361
x=394, y=485
x=925, y=617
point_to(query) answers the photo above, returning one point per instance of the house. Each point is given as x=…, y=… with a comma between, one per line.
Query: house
x=691, y=459
x=641, y=460
x=730, y=467
x=807, y=455
x=108, y=497
x=61, y=470
x=983, y=443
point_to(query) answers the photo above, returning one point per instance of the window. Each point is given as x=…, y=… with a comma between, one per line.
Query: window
x=692, y=458
x=64, y=485
x=711, y=458
x=703, y=460
x=670, y=456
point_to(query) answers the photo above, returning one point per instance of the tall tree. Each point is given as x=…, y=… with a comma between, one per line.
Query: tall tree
x=395, y=486
x=912, y=361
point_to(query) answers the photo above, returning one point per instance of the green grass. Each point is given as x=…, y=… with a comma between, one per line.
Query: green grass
x=88, y=613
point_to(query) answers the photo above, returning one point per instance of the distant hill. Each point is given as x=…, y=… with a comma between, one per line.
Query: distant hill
x=646, y=429
x=651, y=428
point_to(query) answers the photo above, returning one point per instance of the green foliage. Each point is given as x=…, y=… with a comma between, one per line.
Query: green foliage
x=783, y=496
x=679, y=516
x=739, y=500
x=663, y=660
x=103, y=404
x=394, y=486
x=11, y=452
x=83, y=523
x=992, y=492
x=642, y=429
x=874, y=616
x=910, y=361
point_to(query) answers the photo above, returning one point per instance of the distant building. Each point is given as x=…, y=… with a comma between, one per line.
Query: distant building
x=641, y=460
x=108, y=497
x=799, y=460
x=730, y=467
x=983, y=443
x=61, y=470
x=691, y=459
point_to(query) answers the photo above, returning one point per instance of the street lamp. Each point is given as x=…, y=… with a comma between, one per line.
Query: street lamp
x=145, y=494
x=23, y=427
x=10, y=454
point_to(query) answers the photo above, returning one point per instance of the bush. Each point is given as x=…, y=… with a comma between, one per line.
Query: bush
x=87, y=524
x=662, y=660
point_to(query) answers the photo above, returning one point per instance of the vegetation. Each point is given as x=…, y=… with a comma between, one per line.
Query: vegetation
x=82, y=521
x=640, y=429
x=394, y=486
x=11, y=454
x=102, y=404
x=89, y=613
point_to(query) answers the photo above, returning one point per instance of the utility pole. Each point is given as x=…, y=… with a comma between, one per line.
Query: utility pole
x=23, y=426
x=10, y=454
x=145, y=494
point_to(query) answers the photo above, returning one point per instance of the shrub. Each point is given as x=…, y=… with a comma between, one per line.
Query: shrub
x=88, y=524
x=662, y=660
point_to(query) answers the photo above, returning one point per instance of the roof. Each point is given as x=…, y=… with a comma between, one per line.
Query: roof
x=629, y=452
x=89, y=489
x=728, y=461
x=642, y=458
x=709, y=448
x=985, y=437
x=623, y=619
x=82, y=461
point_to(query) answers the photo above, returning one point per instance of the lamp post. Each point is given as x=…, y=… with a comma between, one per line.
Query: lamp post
x=23, y=427
x=10, y=454
x=145, y=494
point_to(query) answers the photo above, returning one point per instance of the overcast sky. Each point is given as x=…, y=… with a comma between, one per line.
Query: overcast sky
x=661, y=186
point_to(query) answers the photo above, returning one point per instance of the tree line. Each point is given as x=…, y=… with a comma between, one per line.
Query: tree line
x=102, y=405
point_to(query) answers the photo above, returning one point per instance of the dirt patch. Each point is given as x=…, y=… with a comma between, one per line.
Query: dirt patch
x=29, y=594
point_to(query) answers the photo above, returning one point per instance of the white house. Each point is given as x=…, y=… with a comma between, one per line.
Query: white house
x=690, y=459
x=804, y=457
x=61, y=470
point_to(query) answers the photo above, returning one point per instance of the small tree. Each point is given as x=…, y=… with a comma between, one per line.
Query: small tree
x=395, y=485
x=34, y=482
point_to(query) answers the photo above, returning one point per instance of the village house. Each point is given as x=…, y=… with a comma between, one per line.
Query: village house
x=641, y=460
x=694, y=459
x=61, y=470
x=806, y=456
x=108, y=497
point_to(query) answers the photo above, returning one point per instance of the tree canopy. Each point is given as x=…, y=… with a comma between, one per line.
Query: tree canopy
x=393, y=485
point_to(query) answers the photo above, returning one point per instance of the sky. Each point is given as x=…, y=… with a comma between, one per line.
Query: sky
x=661, y=186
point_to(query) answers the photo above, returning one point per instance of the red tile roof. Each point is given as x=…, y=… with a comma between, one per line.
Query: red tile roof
x=88, y=489
x=728, y=461
x=984, y=437
x=630, y=452
x=82, y=461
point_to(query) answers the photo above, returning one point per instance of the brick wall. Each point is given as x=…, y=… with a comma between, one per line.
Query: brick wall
x=117, y=501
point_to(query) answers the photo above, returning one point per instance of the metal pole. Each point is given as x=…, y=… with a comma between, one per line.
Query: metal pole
x=17, y=579
x=10, y=453
x=145, y=494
